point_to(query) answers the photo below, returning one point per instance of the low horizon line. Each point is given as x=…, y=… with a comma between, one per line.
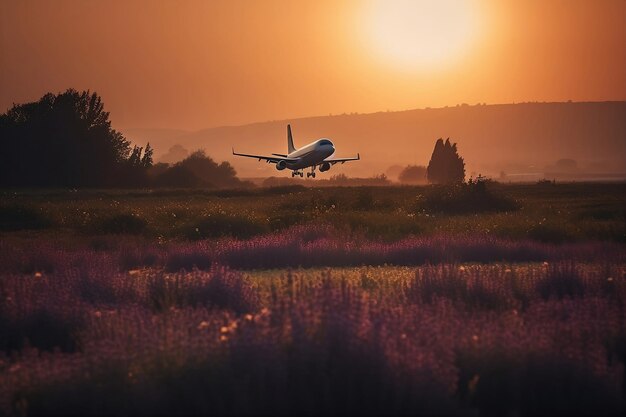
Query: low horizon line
x=288, y=120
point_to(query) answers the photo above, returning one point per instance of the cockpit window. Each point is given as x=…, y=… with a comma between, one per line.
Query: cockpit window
x=325, y=142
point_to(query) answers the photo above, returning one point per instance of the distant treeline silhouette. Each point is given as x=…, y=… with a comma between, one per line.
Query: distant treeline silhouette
x=196, y=170
x=66, y=140
x=413, y=174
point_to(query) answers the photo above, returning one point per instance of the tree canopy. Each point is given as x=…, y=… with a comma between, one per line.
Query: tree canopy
x=67, y=140
x=446, y=166
x=198, y=170
x=413, y=174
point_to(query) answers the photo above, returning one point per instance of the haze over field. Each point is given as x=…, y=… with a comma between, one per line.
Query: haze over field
x=525, y=138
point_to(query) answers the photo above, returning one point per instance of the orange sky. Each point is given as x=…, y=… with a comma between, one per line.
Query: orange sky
x=196, y=64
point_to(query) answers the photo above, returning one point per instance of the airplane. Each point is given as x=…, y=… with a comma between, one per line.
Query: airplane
x=313, y=155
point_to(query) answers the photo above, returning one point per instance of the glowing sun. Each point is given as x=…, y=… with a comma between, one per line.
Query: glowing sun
x=420, y=34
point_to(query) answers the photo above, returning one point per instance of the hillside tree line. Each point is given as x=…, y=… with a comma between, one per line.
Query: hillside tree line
x=66, y=140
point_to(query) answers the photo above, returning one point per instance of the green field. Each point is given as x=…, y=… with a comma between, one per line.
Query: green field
x=543, y=212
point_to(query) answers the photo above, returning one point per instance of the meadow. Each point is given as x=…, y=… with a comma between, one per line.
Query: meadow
x=481, y=299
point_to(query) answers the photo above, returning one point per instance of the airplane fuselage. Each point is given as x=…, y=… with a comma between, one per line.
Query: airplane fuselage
x=311, y=155
x=314, y=155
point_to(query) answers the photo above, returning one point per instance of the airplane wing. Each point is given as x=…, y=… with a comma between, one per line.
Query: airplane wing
x=334, y=161
x=268, y=159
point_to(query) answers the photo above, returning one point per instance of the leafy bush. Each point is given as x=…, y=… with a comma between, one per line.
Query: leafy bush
x=16, y=217
x=561, y=281
x=44, y=329
x=220, y=225
x=125, y=223
x=550, y=233
x=472, y=197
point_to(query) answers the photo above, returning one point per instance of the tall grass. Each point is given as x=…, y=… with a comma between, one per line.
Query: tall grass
x=450, y=338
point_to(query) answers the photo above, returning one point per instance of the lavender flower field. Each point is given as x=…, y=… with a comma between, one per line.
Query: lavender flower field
x=311, y=319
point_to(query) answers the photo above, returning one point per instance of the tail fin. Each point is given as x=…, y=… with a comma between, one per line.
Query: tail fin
x=290, y=146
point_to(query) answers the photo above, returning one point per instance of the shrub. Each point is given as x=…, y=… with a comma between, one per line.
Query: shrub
x=473, y=197
x=550, y=233
x=43, y=328
x=13, y=218
x=125, y=223
x=561, y=281
x=220, y=225
x=413, y=174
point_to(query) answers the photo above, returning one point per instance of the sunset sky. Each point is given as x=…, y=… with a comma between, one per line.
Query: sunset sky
x=197, y=64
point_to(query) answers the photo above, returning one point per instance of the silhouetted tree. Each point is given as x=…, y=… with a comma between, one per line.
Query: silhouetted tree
x=203, y=167
x=413, y=174
x=179, y=176
x=199, y=170
x=445, y=166
x=174, y=154
x=65, y=140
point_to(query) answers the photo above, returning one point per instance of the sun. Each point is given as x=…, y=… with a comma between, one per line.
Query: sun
x=420, y=34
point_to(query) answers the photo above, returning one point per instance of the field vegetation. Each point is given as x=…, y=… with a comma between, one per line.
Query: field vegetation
x=472, y=299
x=544, y=212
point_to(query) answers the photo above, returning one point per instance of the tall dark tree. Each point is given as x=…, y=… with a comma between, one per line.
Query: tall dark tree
x=446, y=166
x=64, y=140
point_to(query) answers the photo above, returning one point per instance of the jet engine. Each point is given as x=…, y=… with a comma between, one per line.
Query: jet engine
x=325, y=167
x=280, y=165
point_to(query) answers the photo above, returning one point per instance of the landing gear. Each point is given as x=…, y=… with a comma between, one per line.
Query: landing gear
x=312, y=173
x=294, y=173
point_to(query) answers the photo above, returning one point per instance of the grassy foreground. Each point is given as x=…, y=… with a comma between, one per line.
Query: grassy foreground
x=509, y=300
x=449, y=339
x=543, y=212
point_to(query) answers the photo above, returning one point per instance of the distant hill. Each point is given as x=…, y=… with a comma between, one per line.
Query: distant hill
x=520, y=139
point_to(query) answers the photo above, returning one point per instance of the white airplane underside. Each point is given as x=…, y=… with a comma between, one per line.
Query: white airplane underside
x=314, y=155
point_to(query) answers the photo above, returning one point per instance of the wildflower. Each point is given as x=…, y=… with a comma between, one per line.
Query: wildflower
x=248, y=317
x=203, y=325
x=223, y=329
x=223, y=338
x=37, y=274
x=461, y=268
x=545, y=263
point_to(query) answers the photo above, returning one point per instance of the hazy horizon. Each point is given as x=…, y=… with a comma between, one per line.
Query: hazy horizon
x=515, y=138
